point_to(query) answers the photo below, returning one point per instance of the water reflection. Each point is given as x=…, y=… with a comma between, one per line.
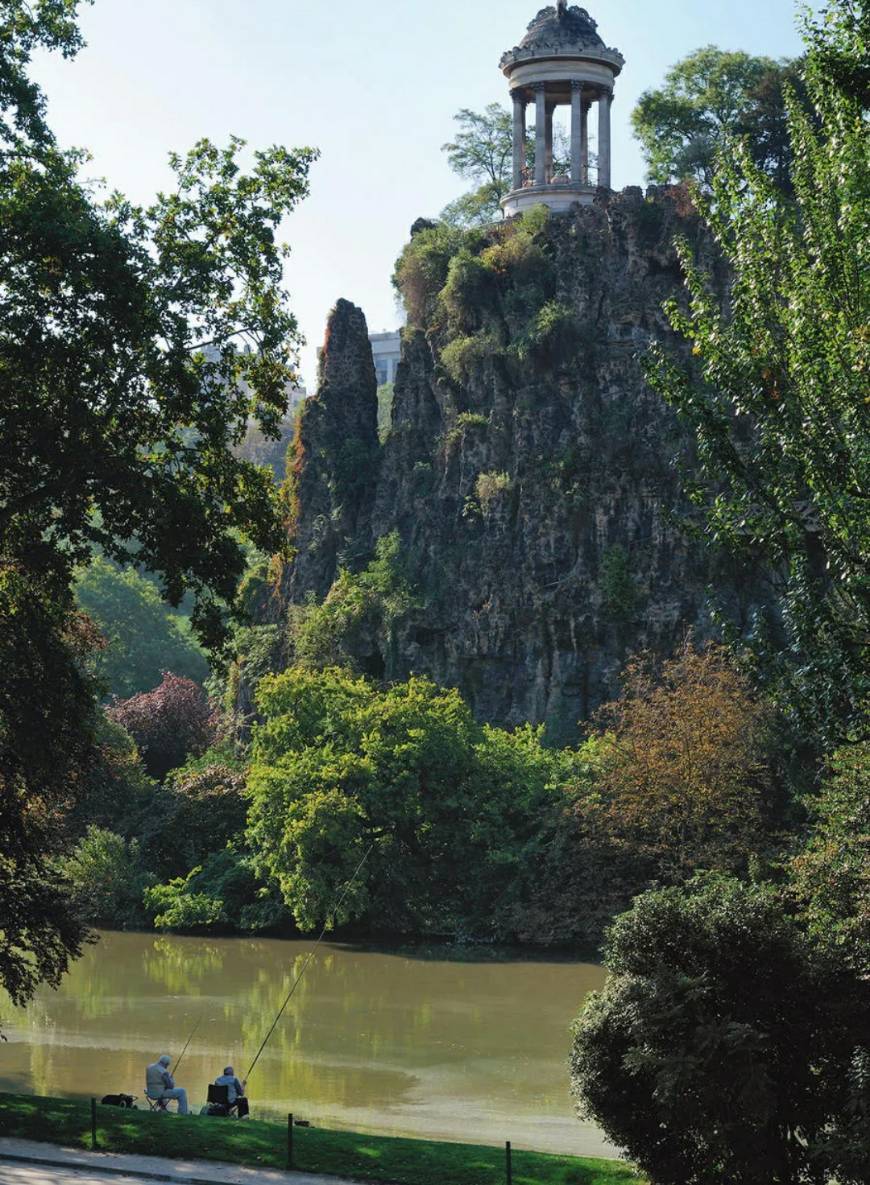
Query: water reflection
x=407, y=1042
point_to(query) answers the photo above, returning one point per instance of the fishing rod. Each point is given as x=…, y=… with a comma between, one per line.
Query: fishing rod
x=311, y=955
x=187, y=1046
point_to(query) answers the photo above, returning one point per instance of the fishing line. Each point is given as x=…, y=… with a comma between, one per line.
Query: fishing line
x=311, y=955
x=184, y=1051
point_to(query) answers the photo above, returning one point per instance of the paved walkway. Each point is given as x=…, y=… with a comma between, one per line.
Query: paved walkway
x=24, y=1162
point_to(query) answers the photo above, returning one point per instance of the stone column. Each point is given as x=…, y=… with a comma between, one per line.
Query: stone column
x=519, y=138
x=540, y=133
x=550, y=114
x=604, y=139
x=584, y=143
x=576, y=133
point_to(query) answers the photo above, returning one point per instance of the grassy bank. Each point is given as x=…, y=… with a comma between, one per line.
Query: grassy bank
x=252, y=1142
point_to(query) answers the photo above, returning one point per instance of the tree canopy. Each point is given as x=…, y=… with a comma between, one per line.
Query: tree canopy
x=725, y=1049
x=123, y=388
x=482, y=152
x=447, y=807
x=707, y=98
x=776, y=396
x=682, y=771
x=143, y=637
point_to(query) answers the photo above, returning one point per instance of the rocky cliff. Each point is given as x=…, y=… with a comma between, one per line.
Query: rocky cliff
x=530, y=473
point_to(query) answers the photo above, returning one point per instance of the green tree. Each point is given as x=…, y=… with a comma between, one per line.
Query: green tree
x=725, y=1049
x=482, y=153
x=223, y=892
x=117, y=793
x=777, y=394
x=202, y=810
x=143, y=637
x=122, y=392
x=831, y=877
x=707, y=99
x=107, y=874
x=449, y=810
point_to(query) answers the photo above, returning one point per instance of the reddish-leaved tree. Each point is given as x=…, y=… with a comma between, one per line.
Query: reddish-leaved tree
x=169, y=724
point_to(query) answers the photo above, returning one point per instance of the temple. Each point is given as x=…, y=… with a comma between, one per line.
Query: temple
x=560, y=61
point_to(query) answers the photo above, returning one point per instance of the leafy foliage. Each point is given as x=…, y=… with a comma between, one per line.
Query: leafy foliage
x=682, y=773
x=708, y=98
x=385, y=410
x=619, y=591
x=482, y=152
x=831, y=877
x=446, y=807
x=143, y=638
x=224, y=893
x=168, y=724
x=204, y=809
x=46, y=745
x=137, y=294
x=724, y=1048
x=107, y=874
x=490, y=488
x=371, y=602
x=777, y=399
x=122, y=392
x=116, y=794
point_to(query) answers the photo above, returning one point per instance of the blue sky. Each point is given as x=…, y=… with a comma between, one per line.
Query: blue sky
x=373, y=86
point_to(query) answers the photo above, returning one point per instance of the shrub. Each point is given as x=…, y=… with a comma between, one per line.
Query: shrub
x=177, y=906
x=831, y=877
x=168, y=724
x=369, y=602
x=489, y=488
x=725, y=1049
x=385, y=410
x=108, y=877
x=462, y=356
x=421, y=270
x=117, y=793
x=684, y=770
x=223, y=892
x=466, y=291
x=552, y=335
x=201, y=811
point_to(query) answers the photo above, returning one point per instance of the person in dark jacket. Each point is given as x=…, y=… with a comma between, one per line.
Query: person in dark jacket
x=235, y=1091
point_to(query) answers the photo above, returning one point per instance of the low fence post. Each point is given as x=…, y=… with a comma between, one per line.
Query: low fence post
x=509, y=1165
x=290, y=1141
x=94, y=1124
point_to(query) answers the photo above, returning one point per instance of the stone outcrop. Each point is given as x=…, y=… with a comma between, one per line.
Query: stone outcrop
x=335, y=459
x=530, y=472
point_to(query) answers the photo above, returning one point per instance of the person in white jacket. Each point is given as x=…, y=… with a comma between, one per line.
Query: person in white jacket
x=159, y=1084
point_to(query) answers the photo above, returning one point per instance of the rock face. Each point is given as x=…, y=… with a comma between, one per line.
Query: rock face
x=335, y=459
x=530, y=472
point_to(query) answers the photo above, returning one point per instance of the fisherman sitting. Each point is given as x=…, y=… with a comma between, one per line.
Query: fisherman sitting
x=235, y=1091
x=160, y=1085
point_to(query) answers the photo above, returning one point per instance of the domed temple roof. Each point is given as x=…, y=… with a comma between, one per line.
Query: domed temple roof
x=569, y=27
x=561, y=31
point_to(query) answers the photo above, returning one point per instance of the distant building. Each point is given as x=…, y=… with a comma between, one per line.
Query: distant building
x=386, y=351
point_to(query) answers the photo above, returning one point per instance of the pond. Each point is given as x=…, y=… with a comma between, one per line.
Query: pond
x=410, y=1042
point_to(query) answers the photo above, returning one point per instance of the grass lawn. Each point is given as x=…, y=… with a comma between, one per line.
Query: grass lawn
x=251, y=1142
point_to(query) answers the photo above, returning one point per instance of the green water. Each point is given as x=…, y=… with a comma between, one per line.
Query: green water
x=399, y=1043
